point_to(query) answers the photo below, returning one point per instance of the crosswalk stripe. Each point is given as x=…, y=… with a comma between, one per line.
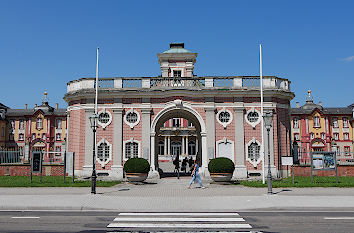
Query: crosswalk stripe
x=129, y=219
x=179, y=214
x=179, y=225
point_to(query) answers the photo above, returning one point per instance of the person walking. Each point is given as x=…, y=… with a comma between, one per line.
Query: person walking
x=195, y=175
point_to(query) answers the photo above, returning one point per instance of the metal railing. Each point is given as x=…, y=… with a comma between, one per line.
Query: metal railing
x=10, y=157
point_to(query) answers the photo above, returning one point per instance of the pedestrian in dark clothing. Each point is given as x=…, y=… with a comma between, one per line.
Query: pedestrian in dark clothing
x=176, y=163
x=190, y=163
x=184, y=165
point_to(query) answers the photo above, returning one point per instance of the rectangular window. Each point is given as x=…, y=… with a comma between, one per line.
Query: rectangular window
x=57, y=148
x=44, y=136
x=345, y=136
x=296, y=136
x=176, y=122
x=12, y=124
x=316, y=122
x=336, y=136
x=323, y=136
x=3, y=132
x=33, y=136
x=58, y=124
x=20, y=137
x=58, y=137
x=345, y=122
x=335, y=122
x=39, y=123
x=22, y=124
x=177, y=73
x=347, y=150
x=296, y=123
x=312, y=136
x=11, y=136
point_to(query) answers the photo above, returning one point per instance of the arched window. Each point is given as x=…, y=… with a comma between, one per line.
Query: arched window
x=131, y=150
x=253, y=152
x=103, y=150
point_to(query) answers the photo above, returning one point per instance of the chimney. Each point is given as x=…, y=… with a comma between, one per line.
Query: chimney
x=56, y=106
x=25, y=106
x=320, y=103
x=297, y=105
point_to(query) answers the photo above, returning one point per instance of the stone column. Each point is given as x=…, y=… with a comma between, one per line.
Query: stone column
x=168, y=145
x=196, y=146
x=187, y=146
x=210, y=132
x=87, y=168
x=146, y=133
x=117, y=168
x=240, y=168
x=183, y=144
x=165, y=146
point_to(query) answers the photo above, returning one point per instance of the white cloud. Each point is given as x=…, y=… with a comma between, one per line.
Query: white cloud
x=348, y=59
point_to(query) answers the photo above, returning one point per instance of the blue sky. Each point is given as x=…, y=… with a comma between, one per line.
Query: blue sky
x=45, y=44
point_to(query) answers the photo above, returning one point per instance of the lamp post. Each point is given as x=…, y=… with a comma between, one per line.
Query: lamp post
x=268, y=123
x=93, y=122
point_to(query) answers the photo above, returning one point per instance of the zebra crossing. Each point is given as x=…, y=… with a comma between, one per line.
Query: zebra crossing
x=179, y=222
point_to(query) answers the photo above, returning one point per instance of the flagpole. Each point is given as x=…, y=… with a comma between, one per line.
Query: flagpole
x=96, y=101
x=96, y=83
x=262, y=125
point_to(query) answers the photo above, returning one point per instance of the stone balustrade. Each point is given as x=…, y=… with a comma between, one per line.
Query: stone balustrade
x=232, y=82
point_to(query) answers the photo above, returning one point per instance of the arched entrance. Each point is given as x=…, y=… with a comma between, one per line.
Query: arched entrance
x=178, y=131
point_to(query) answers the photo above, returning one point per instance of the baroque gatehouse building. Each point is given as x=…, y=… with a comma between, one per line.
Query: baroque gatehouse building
x=178, y=114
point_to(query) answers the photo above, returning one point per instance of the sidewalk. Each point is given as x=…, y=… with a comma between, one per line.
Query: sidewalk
x=170, y=194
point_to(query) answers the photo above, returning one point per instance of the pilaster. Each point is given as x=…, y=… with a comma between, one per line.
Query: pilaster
x=117, y=168
x=146, y=111
x=240, y=168
x=87, y=168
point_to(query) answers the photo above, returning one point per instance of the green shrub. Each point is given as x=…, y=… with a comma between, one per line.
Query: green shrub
x=221, y=165
x=137, y=165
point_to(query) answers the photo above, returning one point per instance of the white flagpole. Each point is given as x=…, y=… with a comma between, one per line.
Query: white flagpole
x=262, y=125
x=96, y=97
x=96, y=84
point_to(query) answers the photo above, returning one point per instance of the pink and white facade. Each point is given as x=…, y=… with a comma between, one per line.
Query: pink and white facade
x=177, y=113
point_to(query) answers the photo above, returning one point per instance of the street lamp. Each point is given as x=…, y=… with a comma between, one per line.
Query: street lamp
x=268, y=123
x=93, y=122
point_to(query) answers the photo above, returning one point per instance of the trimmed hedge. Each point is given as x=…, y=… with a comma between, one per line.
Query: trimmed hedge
x=136, y=165
x=221, y=165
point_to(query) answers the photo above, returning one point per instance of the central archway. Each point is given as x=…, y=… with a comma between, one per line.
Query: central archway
x=177, y=109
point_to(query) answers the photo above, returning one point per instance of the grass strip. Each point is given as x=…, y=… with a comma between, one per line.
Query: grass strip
x=50, y=181
x=303, y=182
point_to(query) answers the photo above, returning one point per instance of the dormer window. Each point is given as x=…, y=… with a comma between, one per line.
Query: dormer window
x=39, y=123
x=177, y=73
x=316, y=122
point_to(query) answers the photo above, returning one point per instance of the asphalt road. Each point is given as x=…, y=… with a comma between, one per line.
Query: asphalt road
x=284, y=221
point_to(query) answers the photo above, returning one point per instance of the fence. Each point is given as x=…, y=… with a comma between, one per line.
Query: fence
x=343, y=158
x=10, y=156
x=17, y=157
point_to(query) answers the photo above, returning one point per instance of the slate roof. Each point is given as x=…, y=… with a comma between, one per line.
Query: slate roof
x=330, y=111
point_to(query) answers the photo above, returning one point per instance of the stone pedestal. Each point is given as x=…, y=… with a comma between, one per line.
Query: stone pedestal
x=117, y=172
x=240, y=173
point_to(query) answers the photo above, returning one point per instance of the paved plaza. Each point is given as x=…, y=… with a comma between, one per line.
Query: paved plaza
x=171, y=194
